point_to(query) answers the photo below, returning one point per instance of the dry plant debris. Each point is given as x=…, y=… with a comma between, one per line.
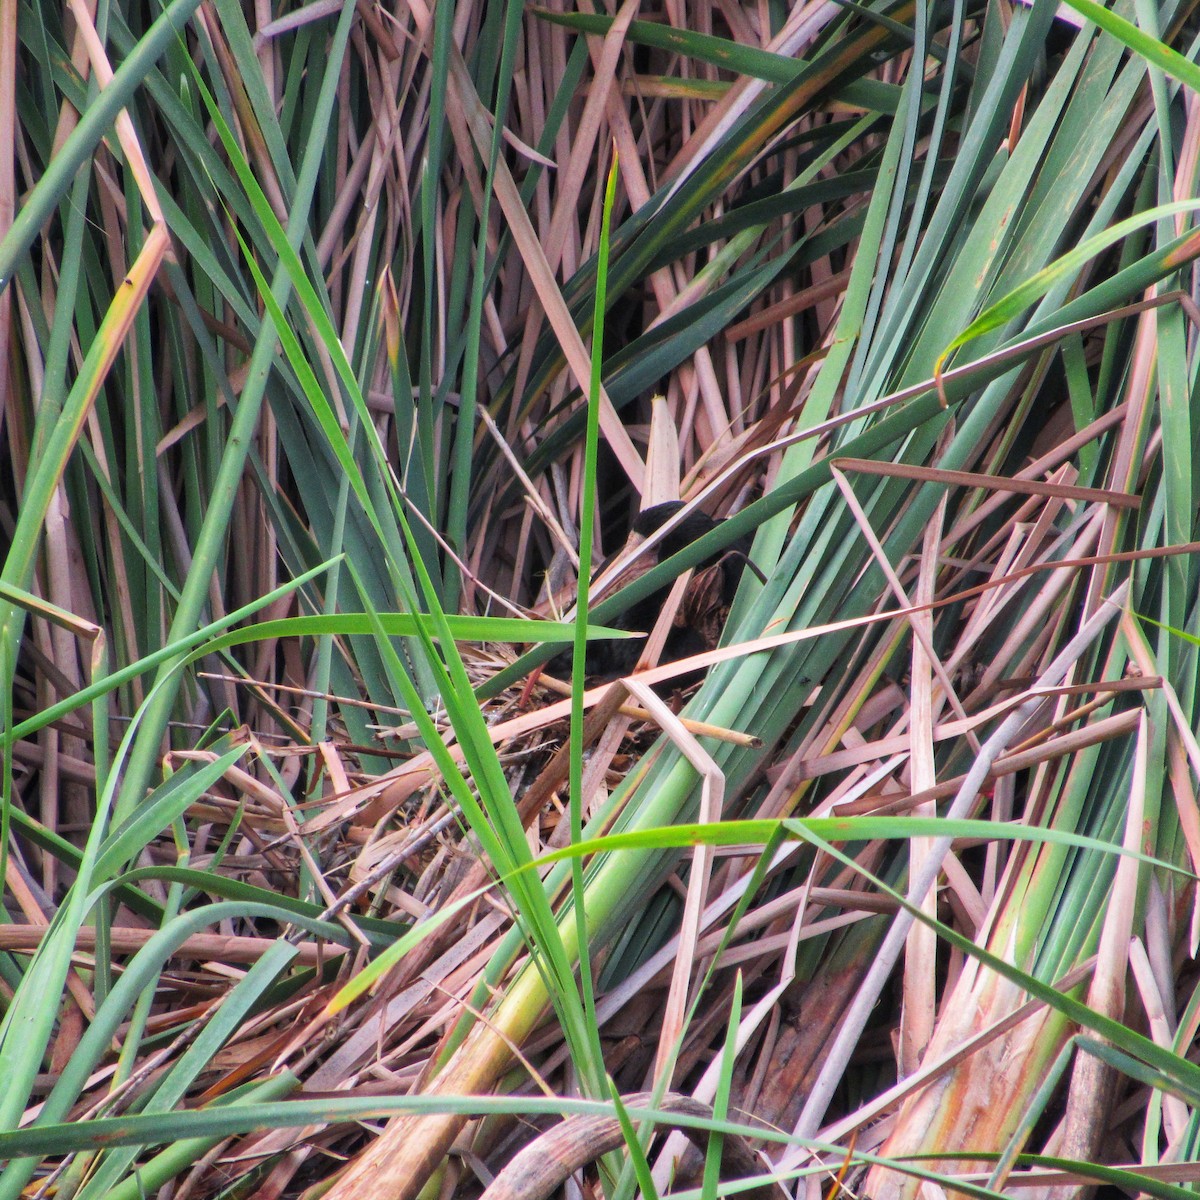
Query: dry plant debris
x=307, y=344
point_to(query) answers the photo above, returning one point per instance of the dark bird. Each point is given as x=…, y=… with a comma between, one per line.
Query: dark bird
x=701, y=615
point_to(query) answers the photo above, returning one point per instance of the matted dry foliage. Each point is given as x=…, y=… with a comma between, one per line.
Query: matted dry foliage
x=302, y=337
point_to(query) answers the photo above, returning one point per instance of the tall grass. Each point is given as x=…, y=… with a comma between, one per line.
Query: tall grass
x=331, y=352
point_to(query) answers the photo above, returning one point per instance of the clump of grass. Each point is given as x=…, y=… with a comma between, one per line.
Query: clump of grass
x=329, y=338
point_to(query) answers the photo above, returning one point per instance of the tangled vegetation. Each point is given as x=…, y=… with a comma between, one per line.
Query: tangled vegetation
x=339, y=343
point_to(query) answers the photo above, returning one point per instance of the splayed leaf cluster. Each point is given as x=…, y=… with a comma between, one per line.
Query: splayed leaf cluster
x=338, y=343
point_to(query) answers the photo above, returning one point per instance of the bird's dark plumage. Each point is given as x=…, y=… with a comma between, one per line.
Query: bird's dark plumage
x=701, y=614
x=695, y=525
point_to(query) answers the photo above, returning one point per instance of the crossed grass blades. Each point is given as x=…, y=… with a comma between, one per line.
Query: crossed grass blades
x=316, y=366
